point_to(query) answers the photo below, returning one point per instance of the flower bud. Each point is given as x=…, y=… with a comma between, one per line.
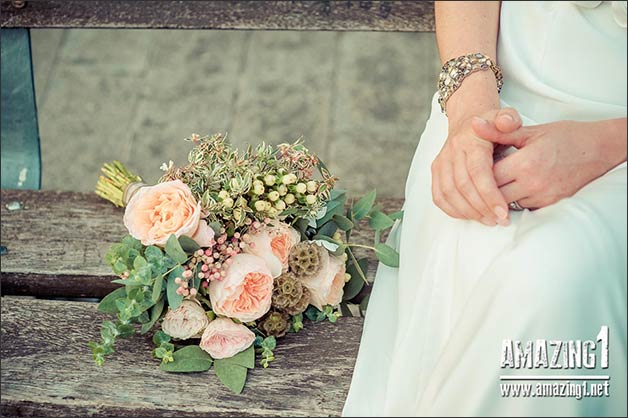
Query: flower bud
x=227, y=202
x=237, y=214
x=289, y=199
x=301, y=188
x=347, y=277
x=258, y=188
x=289, y=178
x=273, y=196
x=269, y=179
x=337, y=236
x=280, y=205
x=310, y=199
x=272, y=212
x=282, y=189
x=312, y=186
x=260, y=205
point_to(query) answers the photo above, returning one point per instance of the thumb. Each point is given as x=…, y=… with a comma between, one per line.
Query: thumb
x=507, y=120
x=488, y=131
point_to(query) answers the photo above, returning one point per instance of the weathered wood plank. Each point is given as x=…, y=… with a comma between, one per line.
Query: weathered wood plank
x=47, y=370
x=56, y=242
x=406, y=16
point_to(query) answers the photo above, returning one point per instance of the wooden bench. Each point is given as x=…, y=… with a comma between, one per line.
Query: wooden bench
x=53, y=243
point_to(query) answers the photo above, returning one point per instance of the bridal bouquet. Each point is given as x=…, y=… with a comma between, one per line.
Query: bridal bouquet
x=231, y=252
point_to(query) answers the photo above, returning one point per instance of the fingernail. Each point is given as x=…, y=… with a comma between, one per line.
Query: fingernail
x=503, y=222
x=500, y=213
x=487, y=221
x=480, y=120
x=507, y=118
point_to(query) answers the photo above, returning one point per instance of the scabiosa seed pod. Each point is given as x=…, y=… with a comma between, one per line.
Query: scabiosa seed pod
x=301, y=305
x=275, y=324
x=305, y=259
x=287, y=291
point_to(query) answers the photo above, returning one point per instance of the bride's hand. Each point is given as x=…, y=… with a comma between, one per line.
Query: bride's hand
x=553, y=160
x=463, y=184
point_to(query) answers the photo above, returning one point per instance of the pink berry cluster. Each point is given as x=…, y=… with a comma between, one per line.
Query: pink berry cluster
x=212, y=263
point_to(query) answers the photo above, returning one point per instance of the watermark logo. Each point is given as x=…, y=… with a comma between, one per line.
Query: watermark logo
x=541, y=354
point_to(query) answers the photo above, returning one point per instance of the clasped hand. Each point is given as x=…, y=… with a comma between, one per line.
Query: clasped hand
x=552, y=161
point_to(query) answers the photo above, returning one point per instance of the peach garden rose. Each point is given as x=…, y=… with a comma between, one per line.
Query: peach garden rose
x=156, y=212
x=246, y=291
x=273, y=243
x=223, y=338
x=327, y=286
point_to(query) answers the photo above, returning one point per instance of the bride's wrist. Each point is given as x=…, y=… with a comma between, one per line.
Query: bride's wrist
x=611, y=137
x=476, y=95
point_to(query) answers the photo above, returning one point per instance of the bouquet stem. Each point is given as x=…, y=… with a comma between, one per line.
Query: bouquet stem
x=114, y=182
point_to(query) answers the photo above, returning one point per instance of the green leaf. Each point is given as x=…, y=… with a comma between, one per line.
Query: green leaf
x=139, y=262
x=364, y=304
x=332, y=208
x=355, y=285
x=344, y=309
x=155, y=313
x=108, y=303
x=174, y=250
x=387, y=255
x=396, y=215
x=379, y=220
x=328, y=229
x=313, y=314
x=244, y=358
x=160, y=338
x=126, y=330
x=188, y=244
x=364, y=205
x=190, y=358
x=343, y=222
x=157, y=288
x=174, y=299
x=231, y=375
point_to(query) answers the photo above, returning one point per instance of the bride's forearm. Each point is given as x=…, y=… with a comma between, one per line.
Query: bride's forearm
x=611, y=138
x=464, y=27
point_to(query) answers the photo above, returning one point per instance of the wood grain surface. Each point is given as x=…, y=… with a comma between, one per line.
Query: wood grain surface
x=47, y=370
x=406, y=16
x=56, y=242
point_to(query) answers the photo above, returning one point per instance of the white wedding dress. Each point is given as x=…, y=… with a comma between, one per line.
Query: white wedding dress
x=433, y=333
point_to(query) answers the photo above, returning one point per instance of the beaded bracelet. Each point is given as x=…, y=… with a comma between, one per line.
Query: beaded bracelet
x=457, y=69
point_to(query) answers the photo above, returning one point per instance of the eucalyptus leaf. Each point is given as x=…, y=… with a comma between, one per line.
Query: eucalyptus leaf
x=329, y=229
x=174, y=250
x=333, y=207
x=396, y=215
x=363, y=206
x=379, y=221
x=231, y=375
x=108, y=303
x=174, y=299
x=155, y=313
x=387, y=255
x=355, y=285
x=190, y=358
x=244, y=358
x=364, y=304
x=188, y=244
x=343, y=222
x=157, y=288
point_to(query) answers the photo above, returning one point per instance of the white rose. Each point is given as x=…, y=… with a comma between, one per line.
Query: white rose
x=187, y=321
